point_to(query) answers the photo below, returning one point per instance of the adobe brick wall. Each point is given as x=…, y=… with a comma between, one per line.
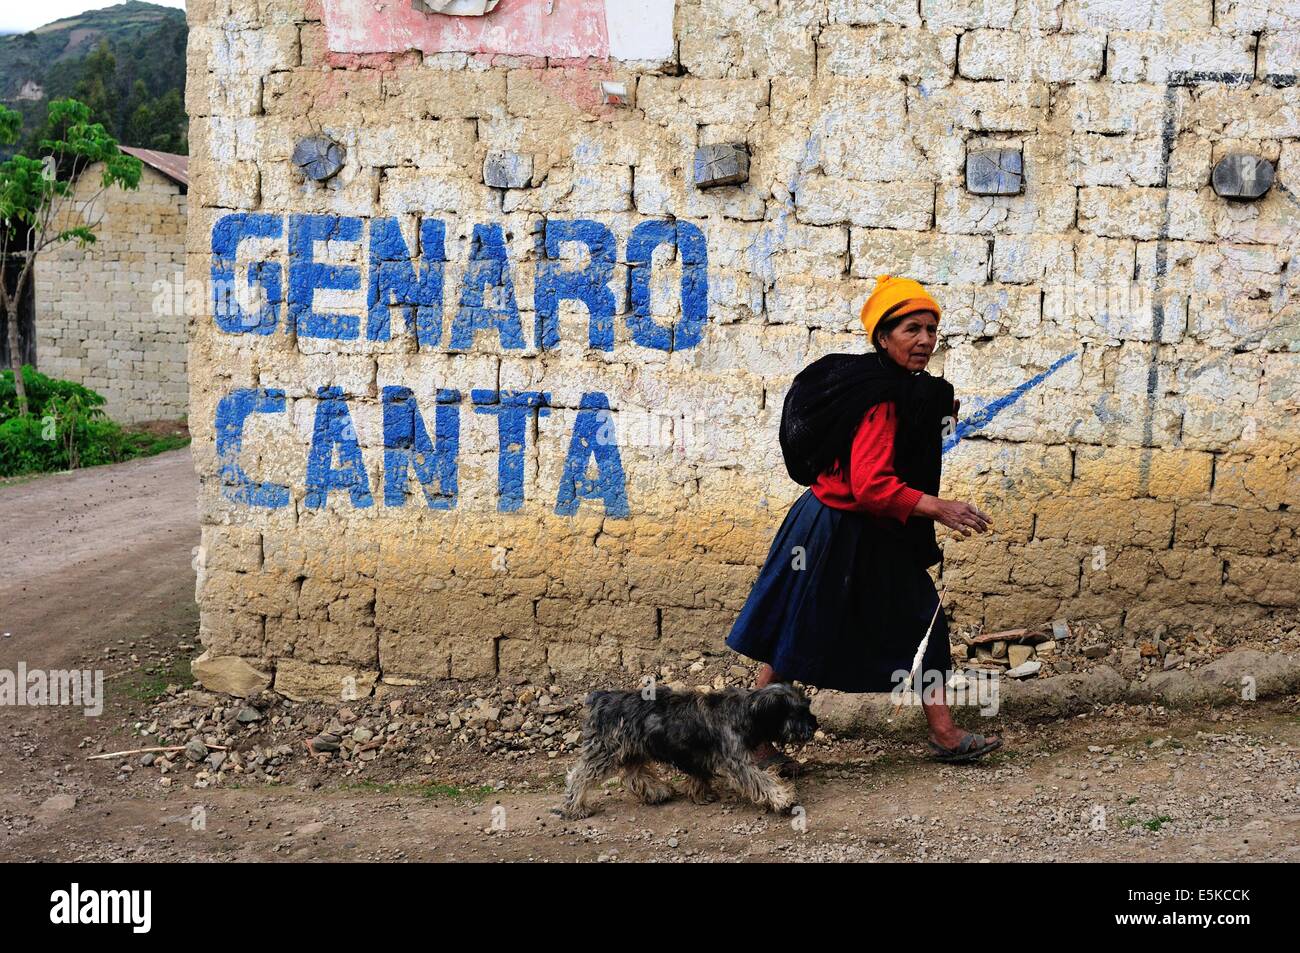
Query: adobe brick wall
x=98, y=316
x=1150, y=477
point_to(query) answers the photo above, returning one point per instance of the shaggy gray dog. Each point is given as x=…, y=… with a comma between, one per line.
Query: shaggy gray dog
x=703, y=735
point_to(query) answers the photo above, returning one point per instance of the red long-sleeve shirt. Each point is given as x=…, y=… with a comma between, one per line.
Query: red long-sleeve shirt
x=873, y=486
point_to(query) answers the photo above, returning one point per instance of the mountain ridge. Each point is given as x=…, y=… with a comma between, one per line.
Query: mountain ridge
x=147, y=43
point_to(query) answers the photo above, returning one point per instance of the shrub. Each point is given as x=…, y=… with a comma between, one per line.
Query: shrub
x=66, y=428
x=23, y=450
x=41, y=389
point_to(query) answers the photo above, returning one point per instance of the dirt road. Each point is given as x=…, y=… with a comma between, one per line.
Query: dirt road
x=93, y=552
x=96, y=572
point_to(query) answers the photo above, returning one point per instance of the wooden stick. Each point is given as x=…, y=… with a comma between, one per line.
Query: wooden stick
x=120, y=754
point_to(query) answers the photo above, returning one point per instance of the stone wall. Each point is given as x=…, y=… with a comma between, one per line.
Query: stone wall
x=111, y=315
x=433, y=488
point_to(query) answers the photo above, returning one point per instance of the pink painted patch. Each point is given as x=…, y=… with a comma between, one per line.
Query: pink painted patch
x=574, y=29
x=578, y=84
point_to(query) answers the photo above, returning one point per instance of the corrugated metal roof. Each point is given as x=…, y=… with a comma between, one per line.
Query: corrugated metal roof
x=176, y=168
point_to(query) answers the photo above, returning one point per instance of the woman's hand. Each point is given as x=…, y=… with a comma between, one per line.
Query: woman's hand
x=954, y=514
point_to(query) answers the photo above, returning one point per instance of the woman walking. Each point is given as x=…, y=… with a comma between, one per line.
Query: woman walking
x=845, y=597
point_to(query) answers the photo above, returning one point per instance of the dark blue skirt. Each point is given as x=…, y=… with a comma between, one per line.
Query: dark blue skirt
x=839, y=604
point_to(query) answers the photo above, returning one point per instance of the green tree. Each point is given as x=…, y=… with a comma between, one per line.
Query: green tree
x=155, y=123
x=98, y=86
x=167, y=120
x=138, y=127
x=39, y=203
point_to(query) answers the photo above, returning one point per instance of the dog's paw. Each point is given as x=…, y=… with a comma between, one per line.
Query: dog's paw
x=646, y=787
x=700, y=792
x=656, y=794
x=782, y=799
x=572, y=814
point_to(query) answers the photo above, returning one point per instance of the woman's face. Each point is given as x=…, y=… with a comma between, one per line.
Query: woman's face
x=910, y=343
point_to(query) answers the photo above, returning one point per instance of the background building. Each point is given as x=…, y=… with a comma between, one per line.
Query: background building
x=112, y=315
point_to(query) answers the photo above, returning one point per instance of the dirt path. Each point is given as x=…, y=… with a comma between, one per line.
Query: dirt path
x=97, y=571
x=92, y=552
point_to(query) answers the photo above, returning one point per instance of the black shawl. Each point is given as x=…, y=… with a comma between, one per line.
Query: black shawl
x=826, y=404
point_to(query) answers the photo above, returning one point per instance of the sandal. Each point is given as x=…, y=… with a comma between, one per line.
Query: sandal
x=970, y=748
x=786, y=766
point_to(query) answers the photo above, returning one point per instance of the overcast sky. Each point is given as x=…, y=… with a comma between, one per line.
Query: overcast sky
x=17, y=16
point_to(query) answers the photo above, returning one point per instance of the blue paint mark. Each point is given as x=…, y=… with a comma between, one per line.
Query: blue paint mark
x=333, y=429
x=232, y=411
x=513, y=409
x=593, y=438
x=489, y=267
x=396, y=280
x=416, y=286
x=407, y=444
x=306, y=275
x=997, y=305
x=264, y=276
x=693, y=251
x=981, y=417
x=590, y=285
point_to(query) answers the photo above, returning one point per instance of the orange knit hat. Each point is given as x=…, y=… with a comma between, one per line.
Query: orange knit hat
x=895, y=297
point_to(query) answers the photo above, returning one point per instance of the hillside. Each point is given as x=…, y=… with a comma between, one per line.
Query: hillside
x=126, y=61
